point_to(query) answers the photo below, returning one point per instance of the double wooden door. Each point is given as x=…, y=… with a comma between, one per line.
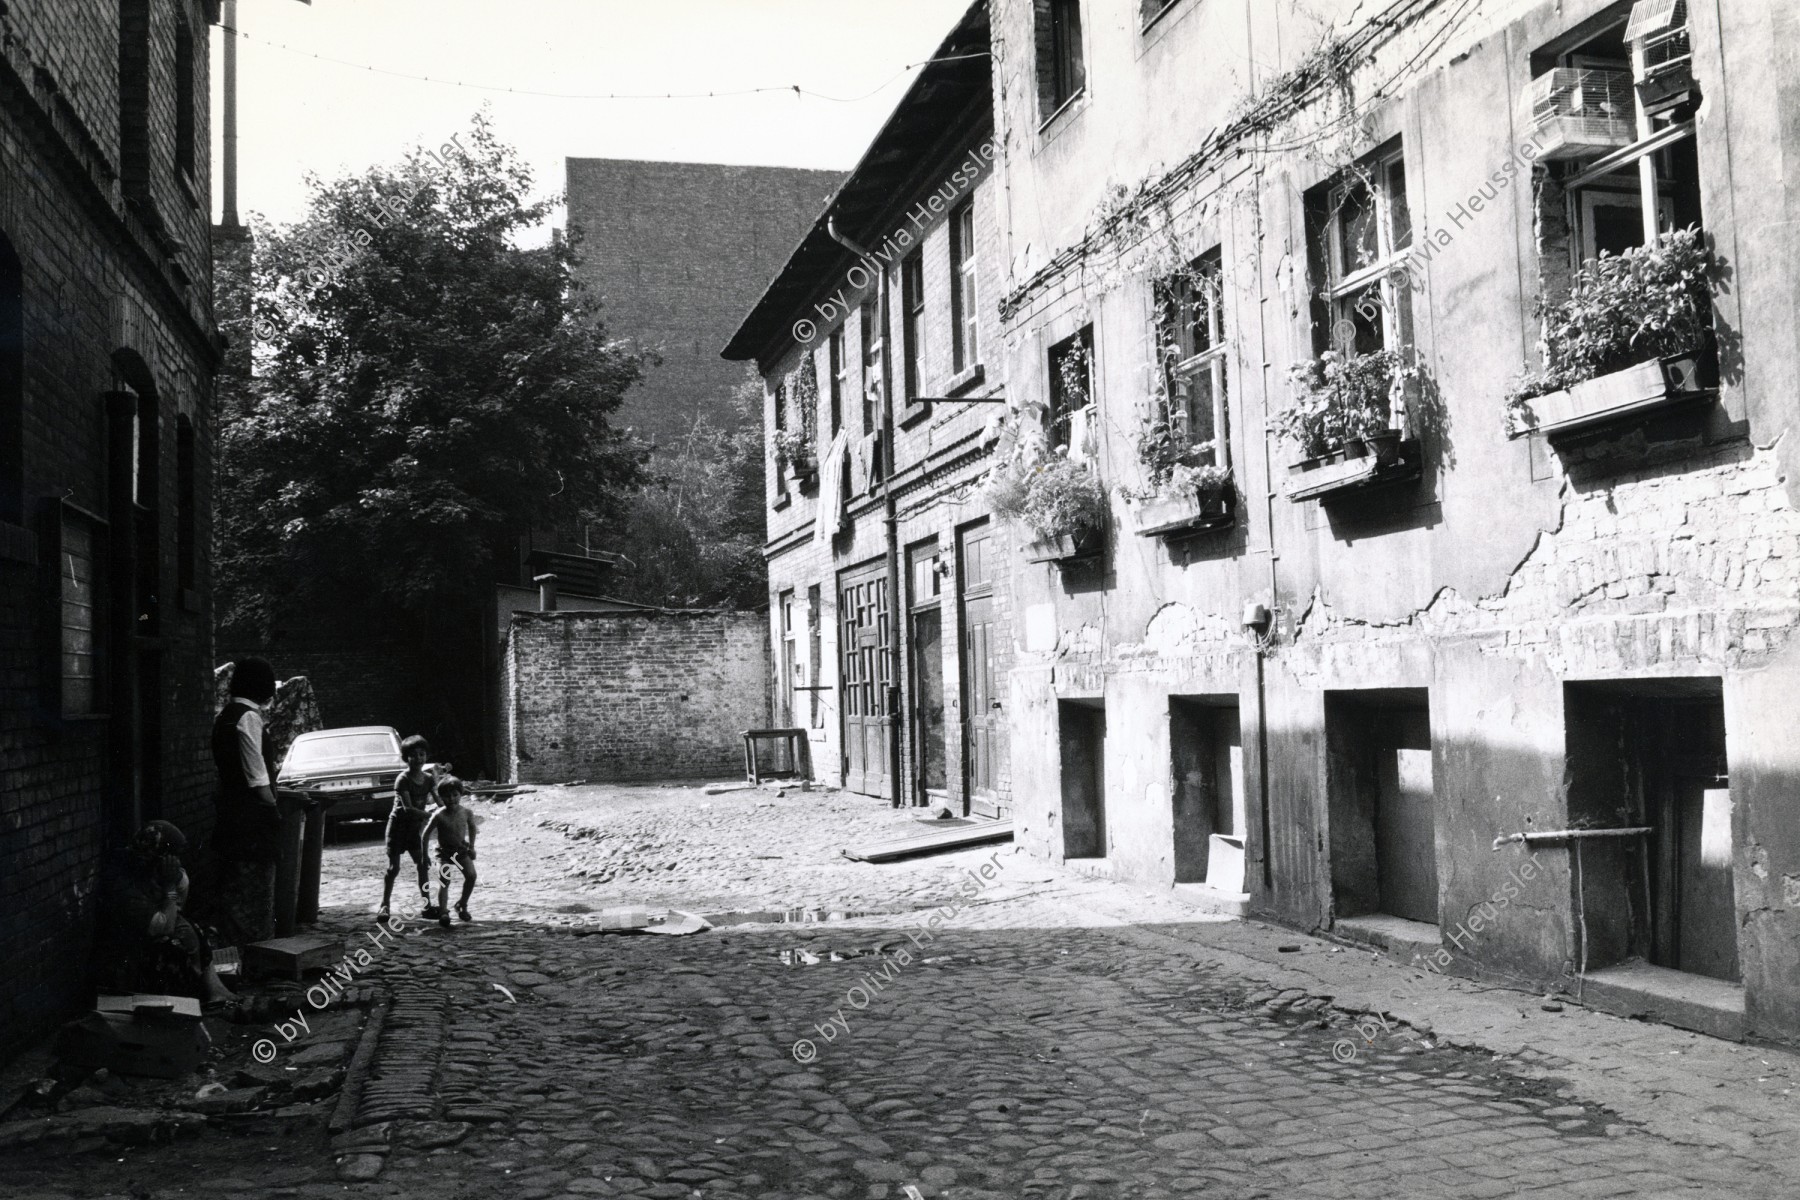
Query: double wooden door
x=865, y=675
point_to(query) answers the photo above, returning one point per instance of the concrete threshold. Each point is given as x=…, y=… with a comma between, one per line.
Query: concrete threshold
x=1407, y=941
x=1093, y=868
x=1714, y=1007
x=1210, y=899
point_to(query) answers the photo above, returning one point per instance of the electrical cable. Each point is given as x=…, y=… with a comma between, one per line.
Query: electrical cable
x=796, y=89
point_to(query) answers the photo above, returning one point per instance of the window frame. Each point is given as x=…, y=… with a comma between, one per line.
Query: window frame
x=965, y=290
x=1180, y=309
x=840, y=377
x=1058, y=33
x=1060, y=420
x=871, y=364
x=912, y=324
x=1343, y=291
x=57, y=517
x=187, y=122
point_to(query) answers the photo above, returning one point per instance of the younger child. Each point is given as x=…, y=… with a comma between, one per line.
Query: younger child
x=455, y=827
x=413, y=790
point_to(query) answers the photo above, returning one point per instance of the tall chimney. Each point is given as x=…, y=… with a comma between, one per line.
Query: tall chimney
x=546, y=592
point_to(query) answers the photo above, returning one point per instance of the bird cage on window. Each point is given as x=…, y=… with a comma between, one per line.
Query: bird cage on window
x=1580, y=113
x=1663, y=50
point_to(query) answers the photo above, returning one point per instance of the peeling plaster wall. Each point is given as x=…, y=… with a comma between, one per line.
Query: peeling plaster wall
x=1512, y=567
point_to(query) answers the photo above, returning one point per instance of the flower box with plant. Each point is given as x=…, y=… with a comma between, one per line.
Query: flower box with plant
x=1061, y=501
x=1346, y=421
x=1185, y=490
x=797, y=439
x=798, y=451
x=1630, y=337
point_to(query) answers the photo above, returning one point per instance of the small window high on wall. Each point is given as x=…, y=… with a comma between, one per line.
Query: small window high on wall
x=1061, y=71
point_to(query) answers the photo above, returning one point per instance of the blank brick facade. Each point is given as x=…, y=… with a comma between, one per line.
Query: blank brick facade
x=621, y=696
x=677, y=253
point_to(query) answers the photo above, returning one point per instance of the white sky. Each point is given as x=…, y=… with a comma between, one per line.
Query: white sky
x=297, y=113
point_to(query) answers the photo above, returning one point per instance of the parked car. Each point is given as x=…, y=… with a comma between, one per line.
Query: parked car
x=357, y=764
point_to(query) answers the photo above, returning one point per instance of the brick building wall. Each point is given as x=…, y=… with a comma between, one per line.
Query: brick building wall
x=622, y=696
x=906, y=197
x=677, y=253
x=105, y=290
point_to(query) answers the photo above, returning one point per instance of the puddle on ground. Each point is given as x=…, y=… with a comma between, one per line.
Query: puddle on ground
x=806, y=958
x=789, y=916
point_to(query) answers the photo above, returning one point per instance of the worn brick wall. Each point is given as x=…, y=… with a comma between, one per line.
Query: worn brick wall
x=677, y=253
x=633, y=695
x=106, y=302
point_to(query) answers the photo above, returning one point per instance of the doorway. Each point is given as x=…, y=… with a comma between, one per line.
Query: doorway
x=863, y=672
x=928, y=701
x=1382, y=804
x=984, y=727
x=1082, y=725
x=1207, y=773
x=1651, y=754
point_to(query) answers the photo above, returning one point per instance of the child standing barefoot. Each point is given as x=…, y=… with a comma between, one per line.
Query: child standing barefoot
x=455, y=826
x=413, y=790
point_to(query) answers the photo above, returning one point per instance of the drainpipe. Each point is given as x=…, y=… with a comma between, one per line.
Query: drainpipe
x=121, y=630
x=890, y=522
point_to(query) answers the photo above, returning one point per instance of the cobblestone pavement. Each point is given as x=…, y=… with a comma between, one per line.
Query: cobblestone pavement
x=1050, y=1036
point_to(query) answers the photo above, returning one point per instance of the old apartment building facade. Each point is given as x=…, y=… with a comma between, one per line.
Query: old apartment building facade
x=107, y=352
x=1383, y=552
x=879, y=342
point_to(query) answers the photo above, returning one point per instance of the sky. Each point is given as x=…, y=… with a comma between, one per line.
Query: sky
x=298, y=113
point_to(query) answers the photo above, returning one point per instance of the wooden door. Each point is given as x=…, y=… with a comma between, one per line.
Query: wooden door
x=864, y=675
x=983, y=726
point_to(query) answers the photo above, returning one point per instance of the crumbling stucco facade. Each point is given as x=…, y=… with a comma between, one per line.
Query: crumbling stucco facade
x=1529, y=635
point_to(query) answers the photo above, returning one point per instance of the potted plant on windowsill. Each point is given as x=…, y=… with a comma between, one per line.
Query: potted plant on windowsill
x=1185, y=491
x=797, y=450
x=1346, y=421
x=1630, y=337
x=1063, y=502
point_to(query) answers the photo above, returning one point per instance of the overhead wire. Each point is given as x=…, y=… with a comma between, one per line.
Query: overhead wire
x=794, y=88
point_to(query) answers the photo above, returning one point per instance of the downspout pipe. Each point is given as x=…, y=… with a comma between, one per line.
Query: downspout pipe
x=890, y=522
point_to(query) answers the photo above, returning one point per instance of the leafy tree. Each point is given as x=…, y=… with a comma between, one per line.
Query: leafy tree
x=427, y=389
x=694, y=532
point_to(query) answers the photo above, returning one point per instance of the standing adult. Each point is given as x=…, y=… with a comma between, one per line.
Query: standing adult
x=246, y=835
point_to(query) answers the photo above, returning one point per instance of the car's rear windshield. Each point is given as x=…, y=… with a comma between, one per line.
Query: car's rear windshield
x=351, y=750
